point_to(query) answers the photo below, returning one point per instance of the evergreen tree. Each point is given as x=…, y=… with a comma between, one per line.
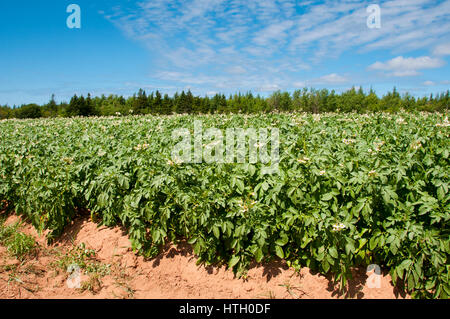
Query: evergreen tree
x=82, y=107
x=157, y=103
x=189, y=102
x=73, y=107
x=52, y=107
x=181, y=103
x=140, y=103
x=306, y=100
x=88, y=109
x=372, y=101
x=167, y=105
x=150, y=104
x=28, y=111
x=332, y=102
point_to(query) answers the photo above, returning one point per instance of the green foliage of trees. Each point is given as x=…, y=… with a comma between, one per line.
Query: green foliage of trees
x=305, y=100
x=30, y=111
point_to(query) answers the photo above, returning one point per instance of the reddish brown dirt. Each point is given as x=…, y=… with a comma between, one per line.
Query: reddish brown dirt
x=172, y=275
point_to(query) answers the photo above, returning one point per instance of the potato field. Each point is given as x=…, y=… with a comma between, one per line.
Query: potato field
x=351, y=190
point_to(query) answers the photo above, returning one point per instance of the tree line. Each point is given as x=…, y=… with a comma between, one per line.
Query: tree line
x=306, y=100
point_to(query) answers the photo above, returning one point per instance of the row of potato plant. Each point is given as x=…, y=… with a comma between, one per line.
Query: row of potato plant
x=352, y=190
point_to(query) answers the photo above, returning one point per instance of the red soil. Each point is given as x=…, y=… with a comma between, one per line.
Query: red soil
x=172, y=275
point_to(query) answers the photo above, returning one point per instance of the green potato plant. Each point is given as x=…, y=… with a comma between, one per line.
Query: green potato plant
x=351, y=190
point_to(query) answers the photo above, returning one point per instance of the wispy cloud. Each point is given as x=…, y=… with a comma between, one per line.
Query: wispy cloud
x=442, y=49
x=401, y=66
x=278, y=43
x=331, y=79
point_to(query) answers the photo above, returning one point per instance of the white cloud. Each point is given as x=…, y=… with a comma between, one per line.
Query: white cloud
x=406, y=25
x=278, y=39
x=400, y=66
x=274, y=32
x=428, y=83
x=331, y=79
x=442, y=49
x=269, y=87
x=236, y=70
x=299, y=85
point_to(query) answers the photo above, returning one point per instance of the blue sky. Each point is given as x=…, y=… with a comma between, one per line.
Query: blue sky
x=212, y=46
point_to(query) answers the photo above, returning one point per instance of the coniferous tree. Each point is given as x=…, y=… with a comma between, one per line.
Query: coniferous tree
x=88, y=107
x=181, y=103
x=73, y=107
x=82, y=107
x=408, y=102
x=306, y=100
x=332, y=102
x=150, y=108
x=28, y=111
x=52, y=106
x=140, y=103
x=157, y=103
x=189, y=102
x=391, y=102
x=372, y=101
x=167, y=105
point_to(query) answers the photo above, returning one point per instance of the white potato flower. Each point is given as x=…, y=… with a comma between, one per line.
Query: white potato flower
x=338, y=227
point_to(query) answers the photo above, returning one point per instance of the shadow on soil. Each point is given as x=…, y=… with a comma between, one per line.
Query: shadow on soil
x=274, y=268
x=168, y=251
x=356, y=284
x=72, y=230
x=182, y=248
x=270, y=269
